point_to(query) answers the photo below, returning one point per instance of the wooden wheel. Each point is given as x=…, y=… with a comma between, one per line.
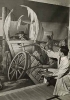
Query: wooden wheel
x=18, y=66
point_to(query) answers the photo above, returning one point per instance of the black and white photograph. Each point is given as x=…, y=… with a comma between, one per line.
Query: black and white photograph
x=34, y=49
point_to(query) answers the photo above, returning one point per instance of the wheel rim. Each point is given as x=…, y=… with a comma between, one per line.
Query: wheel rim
x=18, y=66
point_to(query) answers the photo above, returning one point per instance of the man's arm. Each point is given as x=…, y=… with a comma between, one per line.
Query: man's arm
x=53, y=54
x=61, y=71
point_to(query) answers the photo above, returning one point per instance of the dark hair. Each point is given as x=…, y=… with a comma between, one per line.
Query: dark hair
x=64, y=49
x=53, y=59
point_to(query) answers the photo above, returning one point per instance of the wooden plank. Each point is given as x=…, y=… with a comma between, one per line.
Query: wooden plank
x=38, y=95
x=3, y=98
x=33, y=78
x=33, y=95
x=68, y=28
x=41, y=93
x=66, y=97
x=8, y=97
x=4, y=14
x=36, y=92
x=19, y=41
x=14, y=96
x=18, y=90
x=34, y=75
x=54, y=2
x=22, y=95
x=48, y=89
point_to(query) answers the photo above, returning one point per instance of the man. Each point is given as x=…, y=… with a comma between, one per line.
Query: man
x=62, y=72
x=63, y=43
x=52, y=64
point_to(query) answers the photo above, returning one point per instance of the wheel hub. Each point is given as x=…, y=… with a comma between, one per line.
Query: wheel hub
x=16, y=67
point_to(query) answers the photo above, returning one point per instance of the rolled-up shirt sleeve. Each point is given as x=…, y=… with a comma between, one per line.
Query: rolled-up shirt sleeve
x=53, y=54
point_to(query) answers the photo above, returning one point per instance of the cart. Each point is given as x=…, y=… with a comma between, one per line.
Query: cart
x=20, y=57
x=23, y=55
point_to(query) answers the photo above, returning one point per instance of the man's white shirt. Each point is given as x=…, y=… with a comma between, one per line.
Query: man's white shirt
x=62, y=67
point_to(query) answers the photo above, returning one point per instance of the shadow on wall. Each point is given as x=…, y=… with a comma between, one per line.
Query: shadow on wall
x=59, y=30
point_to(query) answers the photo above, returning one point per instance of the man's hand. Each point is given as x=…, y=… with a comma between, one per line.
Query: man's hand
x=51, y=74
x=56, y=78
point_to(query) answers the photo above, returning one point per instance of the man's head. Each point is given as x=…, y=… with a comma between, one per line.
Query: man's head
x=63, y=42
x=63, y=51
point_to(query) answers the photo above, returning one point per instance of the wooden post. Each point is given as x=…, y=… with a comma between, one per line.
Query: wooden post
x=4, y=14
x=69, y=34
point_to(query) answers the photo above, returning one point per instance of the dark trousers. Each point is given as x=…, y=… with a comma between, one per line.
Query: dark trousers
x=51, y=80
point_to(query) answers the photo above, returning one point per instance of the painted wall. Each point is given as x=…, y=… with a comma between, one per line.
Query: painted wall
x=1, y=29
x=54, y=18
x=59, y=30
x=50, y=13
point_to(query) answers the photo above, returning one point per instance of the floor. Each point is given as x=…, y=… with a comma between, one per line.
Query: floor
x=35, y=92
x=11, y=85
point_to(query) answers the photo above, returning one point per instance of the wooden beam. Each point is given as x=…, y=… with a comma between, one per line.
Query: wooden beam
x=4, y=14
x=55, y=2
x=69, y=34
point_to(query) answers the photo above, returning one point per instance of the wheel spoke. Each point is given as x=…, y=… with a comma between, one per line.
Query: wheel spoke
x=17, y=66
x=13, y=75
x=14, y=64
x=12, y=71
x=21, y=68
x=12, y=68
x=19, y=72
x=16, y=74
x=21, y=75
x=21, y=59
x=18, y=58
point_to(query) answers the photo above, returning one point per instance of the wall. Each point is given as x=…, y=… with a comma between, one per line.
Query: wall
x=59, y=30
x=13, y=28
x=1, y=29
x=54, y=18
x=50, y=13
